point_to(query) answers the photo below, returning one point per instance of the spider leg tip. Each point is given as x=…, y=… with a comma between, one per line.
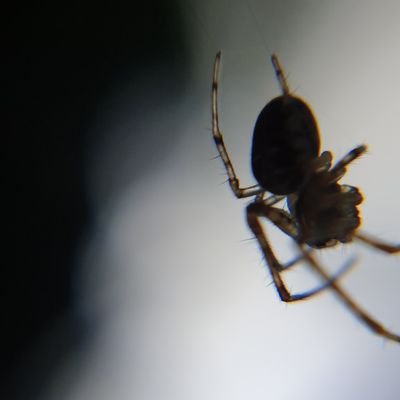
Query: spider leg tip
x=362, y=148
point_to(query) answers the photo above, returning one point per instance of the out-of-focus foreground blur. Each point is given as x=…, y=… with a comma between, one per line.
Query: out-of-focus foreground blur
x=130, y=275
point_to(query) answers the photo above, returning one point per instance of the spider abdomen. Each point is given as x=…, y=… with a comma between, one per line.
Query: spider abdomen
x=285, y=142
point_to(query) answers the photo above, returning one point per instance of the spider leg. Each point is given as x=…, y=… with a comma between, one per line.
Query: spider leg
x=338, y=169
x=283, y=221
x=219, y=141
x=280, y=75
x=378, y=244
x=344, y=269
x=324, y=161
x=375, y=326
x=271, y=200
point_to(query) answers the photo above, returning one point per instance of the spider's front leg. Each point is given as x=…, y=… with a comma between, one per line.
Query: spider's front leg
x=337, y=172
x=283, y=221
x=219, y=142
x=378, y=244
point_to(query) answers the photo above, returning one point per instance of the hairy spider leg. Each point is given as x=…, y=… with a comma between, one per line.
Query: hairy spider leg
x=280, y=75
x=219, y=142
x=375, y=326
x=284, y=222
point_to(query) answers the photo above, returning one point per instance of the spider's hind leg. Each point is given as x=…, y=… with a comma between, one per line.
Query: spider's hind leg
x=280, y=75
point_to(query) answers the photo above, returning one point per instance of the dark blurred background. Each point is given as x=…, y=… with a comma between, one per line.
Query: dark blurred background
x=60, y=62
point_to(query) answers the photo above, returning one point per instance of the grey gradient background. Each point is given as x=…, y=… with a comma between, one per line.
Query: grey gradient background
x=182, y=302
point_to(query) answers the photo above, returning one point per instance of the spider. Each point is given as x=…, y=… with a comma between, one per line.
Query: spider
x=287, y=164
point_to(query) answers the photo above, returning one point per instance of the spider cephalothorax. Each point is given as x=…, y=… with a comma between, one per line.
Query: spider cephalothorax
x=287, y=163
x=326, y=212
